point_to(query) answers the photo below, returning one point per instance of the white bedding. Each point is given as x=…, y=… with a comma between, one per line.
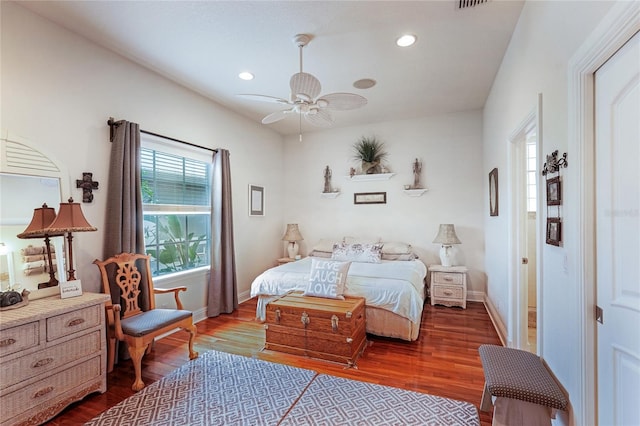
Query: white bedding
x=396, y=286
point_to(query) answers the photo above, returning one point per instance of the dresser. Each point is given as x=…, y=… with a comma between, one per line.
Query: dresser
x=448, y=285
x=52, y=353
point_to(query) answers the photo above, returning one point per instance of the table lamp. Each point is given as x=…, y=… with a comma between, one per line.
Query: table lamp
x=447, y=237
x=292, y=235
x=70, y=219
x=37, y=228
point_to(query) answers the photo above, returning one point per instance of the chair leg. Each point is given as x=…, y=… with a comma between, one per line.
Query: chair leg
x=111, y=354
x=192, y=335
x=136, y=357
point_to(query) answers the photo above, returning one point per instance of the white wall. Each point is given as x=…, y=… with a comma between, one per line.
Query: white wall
x=450, y=148
x=547, y=35
x=58, y=90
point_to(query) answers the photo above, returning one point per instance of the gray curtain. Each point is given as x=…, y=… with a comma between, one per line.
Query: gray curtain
x=223, y=291
x=124, y=230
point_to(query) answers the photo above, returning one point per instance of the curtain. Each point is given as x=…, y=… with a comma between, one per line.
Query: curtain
x=124, y=230
x=223, y=291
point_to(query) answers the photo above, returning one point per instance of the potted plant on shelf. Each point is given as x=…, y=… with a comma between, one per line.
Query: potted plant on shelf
x=370, y=151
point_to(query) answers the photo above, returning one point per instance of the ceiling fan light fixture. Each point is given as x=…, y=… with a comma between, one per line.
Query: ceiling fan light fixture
x=246, y=75
x=322, y=103
x=406, y=40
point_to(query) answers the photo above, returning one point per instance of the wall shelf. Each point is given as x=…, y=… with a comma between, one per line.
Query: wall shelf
x=329, y=194
x=364, y=178
x=415, y=192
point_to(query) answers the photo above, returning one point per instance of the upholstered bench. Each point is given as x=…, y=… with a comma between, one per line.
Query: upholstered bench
x=524, y=389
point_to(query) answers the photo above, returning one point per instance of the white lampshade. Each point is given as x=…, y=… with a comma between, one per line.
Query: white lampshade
x=447, y=237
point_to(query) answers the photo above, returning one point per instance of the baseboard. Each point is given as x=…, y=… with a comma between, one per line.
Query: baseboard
x=498, y=324
x=475, y=296
x=244, y=296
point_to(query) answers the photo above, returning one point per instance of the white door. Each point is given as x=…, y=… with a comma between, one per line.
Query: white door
x=617, y=106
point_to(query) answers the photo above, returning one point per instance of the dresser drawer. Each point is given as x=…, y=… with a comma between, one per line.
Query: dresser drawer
x=37, y=393
x=448, y=292
x=31, y=365
x=447, y=278
x=73, y=322
x=19, y=338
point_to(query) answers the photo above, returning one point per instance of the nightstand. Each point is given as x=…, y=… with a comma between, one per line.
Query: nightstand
x=284, y=260
x=448, y=285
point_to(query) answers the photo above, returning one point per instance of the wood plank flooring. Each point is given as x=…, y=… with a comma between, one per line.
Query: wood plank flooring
x=443, y=361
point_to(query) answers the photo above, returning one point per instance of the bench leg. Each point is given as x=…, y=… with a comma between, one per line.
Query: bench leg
x=485, y=403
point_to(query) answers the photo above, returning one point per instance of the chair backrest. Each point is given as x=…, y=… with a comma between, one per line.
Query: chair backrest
x=125, y=282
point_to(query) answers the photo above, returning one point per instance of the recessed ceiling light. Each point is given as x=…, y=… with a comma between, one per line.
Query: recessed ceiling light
x=365, y=83
x=246, y=75
x=406, y=40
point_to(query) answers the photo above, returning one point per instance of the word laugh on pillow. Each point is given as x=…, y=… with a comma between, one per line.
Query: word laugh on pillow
x=324, y=278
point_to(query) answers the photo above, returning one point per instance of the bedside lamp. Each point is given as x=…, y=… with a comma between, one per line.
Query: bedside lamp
x=70, y=219
x=447, y=237
x=292, y=235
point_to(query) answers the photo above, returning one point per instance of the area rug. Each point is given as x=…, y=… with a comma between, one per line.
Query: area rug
x=225, y=389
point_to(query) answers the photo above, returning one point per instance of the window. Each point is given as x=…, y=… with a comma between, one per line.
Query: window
x=531, y=170
x=176, y=197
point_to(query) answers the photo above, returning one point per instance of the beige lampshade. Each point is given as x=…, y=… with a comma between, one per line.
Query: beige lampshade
x=70, y=219
x=42, y=219
x=292, y=233
x=447, y=235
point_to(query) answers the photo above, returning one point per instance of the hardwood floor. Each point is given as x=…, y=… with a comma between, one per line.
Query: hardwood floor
x=443, y=361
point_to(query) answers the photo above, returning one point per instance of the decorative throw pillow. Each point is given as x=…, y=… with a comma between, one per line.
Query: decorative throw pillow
x=327, y=279
x=396, y=248
x=366, y=253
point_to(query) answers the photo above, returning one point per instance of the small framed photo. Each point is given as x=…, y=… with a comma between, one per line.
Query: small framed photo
x=554, y=231
x=70, y=289
x=493, y=192
x=370, y=198
x=554, y=191
x=256, y=200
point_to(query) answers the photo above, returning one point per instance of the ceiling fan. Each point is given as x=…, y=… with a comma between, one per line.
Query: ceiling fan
x=305, y=100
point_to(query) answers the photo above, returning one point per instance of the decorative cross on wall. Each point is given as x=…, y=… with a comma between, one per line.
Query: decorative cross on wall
x=88, y=185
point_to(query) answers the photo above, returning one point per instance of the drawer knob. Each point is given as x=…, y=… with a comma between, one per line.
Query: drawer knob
x=305, y=319
x=7, y=342
x=448, y=292
x=42, y=362
x=447, y=278
x=43, y=392
x=75, y=322
x=334, y=323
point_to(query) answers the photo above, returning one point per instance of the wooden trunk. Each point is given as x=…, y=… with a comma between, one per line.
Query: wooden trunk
x=317, y=327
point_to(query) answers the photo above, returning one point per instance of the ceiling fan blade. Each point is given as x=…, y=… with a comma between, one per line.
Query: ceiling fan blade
x=275, y=116
x=342, y=101
x=306, y=84
x=322, y=118
x=263, y=98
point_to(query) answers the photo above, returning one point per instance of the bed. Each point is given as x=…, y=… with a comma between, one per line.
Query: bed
x=394, y=291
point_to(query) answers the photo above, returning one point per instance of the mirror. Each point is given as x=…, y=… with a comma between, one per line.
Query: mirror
x=28, y=179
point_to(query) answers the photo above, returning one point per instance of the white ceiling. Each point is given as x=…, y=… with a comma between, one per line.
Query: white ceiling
x=205, y=44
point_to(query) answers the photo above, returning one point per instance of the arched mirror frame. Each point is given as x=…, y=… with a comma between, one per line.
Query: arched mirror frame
x=20, y=157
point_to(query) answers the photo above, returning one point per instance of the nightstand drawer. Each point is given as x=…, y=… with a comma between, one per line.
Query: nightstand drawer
x=18, y=338
x=447, y=278
x=448, y=292
x=72, y=322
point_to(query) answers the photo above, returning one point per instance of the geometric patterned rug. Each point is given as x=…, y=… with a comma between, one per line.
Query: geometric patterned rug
x=219, y=388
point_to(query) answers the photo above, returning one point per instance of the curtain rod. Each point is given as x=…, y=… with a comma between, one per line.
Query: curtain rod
x=113, y=124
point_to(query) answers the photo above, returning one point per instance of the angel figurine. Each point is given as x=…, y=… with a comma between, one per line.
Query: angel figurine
x=417, y=169
x=327, y=180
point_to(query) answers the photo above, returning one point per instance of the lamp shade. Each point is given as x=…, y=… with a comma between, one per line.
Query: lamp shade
x=70, y=219
x=41, y=220
x=292, y=233
x=447, y=235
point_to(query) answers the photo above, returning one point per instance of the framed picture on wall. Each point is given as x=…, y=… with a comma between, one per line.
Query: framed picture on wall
x=370, y=198
x=554, y=231
x=554, y=191
x=256, y=200
x=493, y=192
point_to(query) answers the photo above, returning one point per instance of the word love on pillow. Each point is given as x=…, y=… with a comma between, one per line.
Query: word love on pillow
x=327, y=279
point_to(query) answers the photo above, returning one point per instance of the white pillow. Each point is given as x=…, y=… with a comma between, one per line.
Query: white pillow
x=396, y=248
x=324, y=245
x=327, y=279
x=359, y=240
x=366, y=253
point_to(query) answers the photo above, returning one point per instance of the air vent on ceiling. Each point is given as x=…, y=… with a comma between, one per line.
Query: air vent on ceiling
x=469, y=3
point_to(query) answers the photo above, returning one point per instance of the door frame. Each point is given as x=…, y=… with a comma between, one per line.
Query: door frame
x=615, y=29
x=518, y=297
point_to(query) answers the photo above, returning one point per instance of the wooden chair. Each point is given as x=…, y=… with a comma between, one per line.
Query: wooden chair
x=135, y=327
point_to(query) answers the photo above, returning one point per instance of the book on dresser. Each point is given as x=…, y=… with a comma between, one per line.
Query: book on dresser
x=52, y=353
